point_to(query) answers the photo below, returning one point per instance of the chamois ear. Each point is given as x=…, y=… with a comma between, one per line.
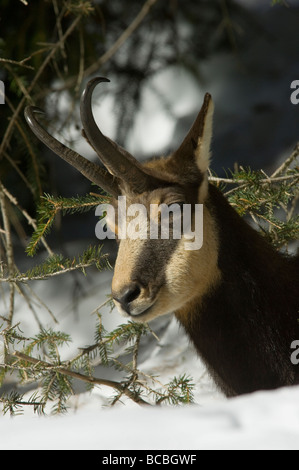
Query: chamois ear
x=194, y=152
x=204, y=134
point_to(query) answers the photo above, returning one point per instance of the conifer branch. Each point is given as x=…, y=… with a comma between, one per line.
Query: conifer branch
x=51, y=206
x=89, y=379
x=14, y=403
x=57, y=265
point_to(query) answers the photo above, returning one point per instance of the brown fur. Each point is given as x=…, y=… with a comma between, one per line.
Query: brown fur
x=236, y=297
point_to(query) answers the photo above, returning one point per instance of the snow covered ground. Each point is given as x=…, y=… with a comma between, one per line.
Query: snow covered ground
x=261, y=421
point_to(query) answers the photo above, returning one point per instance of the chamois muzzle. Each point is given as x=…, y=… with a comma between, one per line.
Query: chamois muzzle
x=126, y=298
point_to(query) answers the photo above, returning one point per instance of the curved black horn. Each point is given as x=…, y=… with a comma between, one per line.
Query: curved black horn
x=91, y=171
x=117, y=160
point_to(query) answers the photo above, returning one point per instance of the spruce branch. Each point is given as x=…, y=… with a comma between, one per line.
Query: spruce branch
x=14, y=403
x=262, y=197
x=57, y=265
x=89, y=379
x=13, y=200
x=50, y=206
x=55, y=376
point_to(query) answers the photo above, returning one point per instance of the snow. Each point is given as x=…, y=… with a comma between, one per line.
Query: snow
x=263, y=420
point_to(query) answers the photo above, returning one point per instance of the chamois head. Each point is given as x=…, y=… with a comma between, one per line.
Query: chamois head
x=153, y=275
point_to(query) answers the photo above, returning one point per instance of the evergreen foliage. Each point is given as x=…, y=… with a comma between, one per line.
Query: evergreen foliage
x=270, y=201
x=50, y=206
x=40, y=363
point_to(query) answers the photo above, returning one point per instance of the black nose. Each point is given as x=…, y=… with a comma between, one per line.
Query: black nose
x=128, y=295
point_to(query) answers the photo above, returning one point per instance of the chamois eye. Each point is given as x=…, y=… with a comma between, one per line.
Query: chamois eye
x=178, y=203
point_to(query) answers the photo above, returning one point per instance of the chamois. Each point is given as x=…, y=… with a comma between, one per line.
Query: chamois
x=236, y=297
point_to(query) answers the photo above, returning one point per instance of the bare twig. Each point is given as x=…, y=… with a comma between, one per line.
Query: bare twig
x=287, y=162
x=291, y=212
x=269, y=179
x=15, y=62
x=122, y=38
x=115, y=46
x=40, y=302
x=8, y=132
x=9, y=250
x=59, y=17
x=40, y=277
x=274, y=178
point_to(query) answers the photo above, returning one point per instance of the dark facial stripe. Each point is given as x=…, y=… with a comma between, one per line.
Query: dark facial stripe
x=151, y=264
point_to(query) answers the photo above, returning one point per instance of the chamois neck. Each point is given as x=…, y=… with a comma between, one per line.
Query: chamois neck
x=244, y=253
x=243, y=326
